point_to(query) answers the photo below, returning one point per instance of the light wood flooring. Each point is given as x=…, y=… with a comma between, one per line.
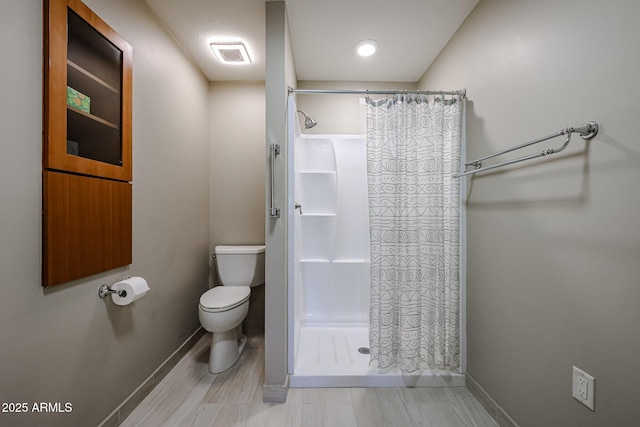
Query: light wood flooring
x=191, y=396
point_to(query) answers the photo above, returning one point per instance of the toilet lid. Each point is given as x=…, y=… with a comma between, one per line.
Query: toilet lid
x=223, y=298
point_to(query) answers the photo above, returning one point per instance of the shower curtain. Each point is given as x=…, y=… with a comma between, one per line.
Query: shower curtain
x=413, y=149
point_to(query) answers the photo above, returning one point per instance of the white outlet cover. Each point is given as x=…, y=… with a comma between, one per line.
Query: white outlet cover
x=583, y=388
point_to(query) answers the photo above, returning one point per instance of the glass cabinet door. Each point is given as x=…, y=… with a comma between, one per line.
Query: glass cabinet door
x=94, y=87
x=87, y=94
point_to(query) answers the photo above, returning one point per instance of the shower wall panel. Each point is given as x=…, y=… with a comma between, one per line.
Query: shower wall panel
x=332, y=227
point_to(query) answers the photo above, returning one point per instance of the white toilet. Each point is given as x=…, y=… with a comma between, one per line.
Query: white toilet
x=223, y=308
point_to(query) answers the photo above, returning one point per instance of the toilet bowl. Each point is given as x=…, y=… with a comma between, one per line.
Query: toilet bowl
x=221, y=312
x=223, y=308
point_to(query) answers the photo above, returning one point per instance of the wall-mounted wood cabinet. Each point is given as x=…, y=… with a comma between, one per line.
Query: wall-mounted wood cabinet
x=87, y=226
x=87, y=93
x=87, y=137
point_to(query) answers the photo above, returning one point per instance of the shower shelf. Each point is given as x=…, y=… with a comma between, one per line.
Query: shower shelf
x=318, y=214
x=336, y=261
x=317, y=171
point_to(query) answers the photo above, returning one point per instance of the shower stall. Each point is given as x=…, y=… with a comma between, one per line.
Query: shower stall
x=328, y=266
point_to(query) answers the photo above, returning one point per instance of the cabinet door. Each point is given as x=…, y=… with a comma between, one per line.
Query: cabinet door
x=87, y=226
x=87, y=93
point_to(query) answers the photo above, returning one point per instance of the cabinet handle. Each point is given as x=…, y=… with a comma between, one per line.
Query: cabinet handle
x=273, y=211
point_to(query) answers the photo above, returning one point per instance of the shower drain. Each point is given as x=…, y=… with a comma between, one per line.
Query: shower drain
x=364, y=350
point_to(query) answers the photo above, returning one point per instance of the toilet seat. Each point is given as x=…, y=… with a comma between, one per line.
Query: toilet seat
x=224, y=298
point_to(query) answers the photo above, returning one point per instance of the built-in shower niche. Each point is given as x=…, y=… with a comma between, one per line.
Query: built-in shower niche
x=314, y=154
x=317, y=235
x=317, y=194
x=333, y=241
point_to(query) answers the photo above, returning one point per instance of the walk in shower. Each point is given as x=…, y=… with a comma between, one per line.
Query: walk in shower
x=329, y=266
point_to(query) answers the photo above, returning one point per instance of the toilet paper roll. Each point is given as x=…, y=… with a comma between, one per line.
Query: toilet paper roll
x=134, y=288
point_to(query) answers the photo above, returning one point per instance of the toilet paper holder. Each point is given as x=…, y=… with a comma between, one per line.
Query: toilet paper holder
x=105, y=290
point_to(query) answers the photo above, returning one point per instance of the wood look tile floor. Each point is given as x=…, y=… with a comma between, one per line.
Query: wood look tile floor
x=191, y=396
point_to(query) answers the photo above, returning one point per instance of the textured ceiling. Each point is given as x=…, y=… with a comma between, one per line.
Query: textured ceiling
x=196, y=23
x=410, y=34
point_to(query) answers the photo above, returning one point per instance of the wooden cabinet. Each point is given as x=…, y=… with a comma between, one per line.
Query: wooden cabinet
x=89, y=133
x=87, y=164
x=87, y=226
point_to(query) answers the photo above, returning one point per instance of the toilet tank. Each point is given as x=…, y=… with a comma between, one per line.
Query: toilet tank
x=240, y=265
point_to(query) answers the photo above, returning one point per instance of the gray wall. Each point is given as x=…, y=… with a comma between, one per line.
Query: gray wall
x=237, y=125
x=553, y=247
x=280, y=75
x=237, y=171
x=66, y=344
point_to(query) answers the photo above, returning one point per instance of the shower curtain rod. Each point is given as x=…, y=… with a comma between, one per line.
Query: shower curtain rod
x=291, y=90
x=586, y=131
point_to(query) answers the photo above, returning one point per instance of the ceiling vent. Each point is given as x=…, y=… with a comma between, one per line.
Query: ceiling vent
x=231, y=53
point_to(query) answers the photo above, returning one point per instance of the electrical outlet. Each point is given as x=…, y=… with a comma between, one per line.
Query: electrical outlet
x=583, y=388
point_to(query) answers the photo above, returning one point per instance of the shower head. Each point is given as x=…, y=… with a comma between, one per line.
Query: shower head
x=309, y=122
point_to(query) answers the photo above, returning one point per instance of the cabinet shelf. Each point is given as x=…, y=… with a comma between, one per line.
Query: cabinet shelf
x=104, y=98
x=92, y=117
x=77, y=72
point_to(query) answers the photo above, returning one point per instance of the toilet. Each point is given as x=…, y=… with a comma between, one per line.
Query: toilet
x=223, y=308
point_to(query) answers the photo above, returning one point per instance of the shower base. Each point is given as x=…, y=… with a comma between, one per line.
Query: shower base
x=328, y=356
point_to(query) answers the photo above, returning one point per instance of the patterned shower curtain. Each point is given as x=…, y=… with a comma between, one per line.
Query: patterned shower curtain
x=413, y=149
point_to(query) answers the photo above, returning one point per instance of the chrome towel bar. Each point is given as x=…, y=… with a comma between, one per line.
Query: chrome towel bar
x=586, y=131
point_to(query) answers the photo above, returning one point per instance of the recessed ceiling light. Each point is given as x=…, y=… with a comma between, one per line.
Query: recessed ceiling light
x=231, y=53
x=366, y=47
